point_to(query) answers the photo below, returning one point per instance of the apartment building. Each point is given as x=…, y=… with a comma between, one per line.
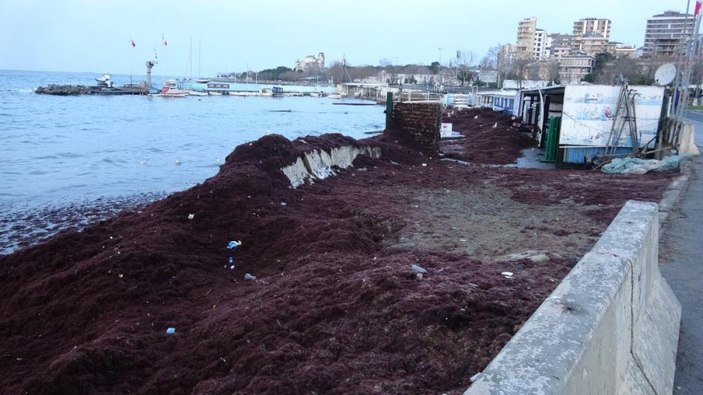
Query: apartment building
x=591, y=35
x=539, y=46
x=590, y=44
x=559, y=45
x=622, y=50
x=573, y=68
x=592, y=27
x=524, y=45
x=666, y=33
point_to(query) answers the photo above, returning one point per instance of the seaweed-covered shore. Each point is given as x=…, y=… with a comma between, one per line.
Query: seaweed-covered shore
x=331, y=303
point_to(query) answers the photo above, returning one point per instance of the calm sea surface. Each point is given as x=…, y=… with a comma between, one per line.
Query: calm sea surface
x=64, y=148
x=58, y=150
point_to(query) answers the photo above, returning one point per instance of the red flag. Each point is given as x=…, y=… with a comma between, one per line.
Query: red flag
x=698, y=8
x=131, y=42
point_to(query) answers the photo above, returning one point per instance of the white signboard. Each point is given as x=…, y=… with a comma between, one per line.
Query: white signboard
x=589, y=111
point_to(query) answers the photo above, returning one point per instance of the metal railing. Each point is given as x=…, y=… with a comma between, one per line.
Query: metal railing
x=419, y=97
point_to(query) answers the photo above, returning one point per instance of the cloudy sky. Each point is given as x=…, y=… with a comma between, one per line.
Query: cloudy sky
x=228, y=35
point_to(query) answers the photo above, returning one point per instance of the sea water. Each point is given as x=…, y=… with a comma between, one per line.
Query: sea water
x=68, y=147
x=58, y=150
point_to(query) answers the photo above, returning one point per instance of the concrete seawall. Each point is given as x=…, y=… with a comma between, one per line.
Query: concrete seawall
x=610, y=327
x=319, y=164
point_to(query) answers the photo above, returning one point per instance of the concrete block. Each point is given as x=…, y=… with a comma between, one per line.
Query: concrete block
x=417, y=125
x=320, y=164
x=297, y=173
x=655, y=339
x=610, y=327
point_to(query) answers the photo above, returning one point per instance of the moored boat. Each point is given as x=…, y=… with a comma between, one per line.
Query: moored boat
x=170, y=90
x=275, y=91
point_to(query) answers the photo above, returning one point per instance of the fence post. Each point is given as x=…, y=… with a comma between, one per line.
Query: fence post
x=389, y=108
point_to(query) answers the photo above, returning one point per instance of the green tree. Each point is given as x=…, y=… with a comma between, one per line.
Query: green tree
x=590, y=77
x=601, y=61
x=609, y=70
x=434, y=68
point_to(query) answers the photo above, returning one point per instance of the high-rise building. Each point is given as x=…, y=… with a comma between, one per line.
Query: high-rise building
x=559, y=45
x=539, y=47
x=591, y=35
x=666, y=33
x=524, y=46
x=590, y=44
x=592, y=27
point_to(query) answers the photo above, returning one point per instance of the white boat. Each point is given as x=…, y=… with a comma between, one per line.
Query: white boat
x=275, y=91
x=196, y=93
x=170, y=90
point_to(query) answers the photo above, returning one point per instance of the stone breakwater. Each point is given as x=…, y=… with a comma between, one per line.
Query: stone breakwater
x=63, y=90
x=72, y=90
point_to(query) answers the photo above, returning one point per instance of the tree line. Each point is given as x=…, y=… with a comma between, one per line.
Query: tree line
x=607, y=69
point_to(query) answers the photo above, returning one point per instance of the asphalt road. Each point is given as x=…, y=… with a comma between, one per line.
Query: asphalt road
x=681, y=263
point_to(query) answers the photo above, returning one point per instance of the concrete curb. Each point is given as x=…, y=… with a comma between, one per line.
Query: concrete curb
x=673, y=193
x=610, y=327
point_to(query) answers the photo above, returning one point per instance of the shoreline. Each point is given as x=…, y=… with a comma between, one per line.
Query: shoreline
x=22, y=227
x=334, y=304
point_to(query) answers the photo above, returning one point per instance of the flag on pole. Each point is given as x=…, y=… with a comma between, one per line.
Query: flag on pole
x=131, y=42
x=697, y=10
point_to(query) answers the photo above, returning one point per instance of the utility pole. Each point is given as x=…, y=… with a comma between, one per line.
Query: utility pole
x=683, y=78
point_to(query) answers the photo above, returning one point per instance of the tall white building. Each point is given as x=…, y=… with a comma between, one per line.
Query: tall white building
x=592, y=27
x=539, y=47
x=666, y=33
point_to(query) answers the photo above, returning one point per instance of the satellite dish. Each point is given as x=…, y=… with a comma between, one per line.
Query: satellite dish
x=665, y=74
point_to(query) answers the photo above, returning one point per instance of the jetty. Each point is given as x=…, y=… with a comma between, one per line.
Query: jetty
x=69, y=90
x=104, y=86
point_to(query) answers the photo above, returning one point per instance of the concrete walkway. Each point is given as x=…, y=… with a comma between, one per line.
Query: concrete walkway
x=681, y=263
